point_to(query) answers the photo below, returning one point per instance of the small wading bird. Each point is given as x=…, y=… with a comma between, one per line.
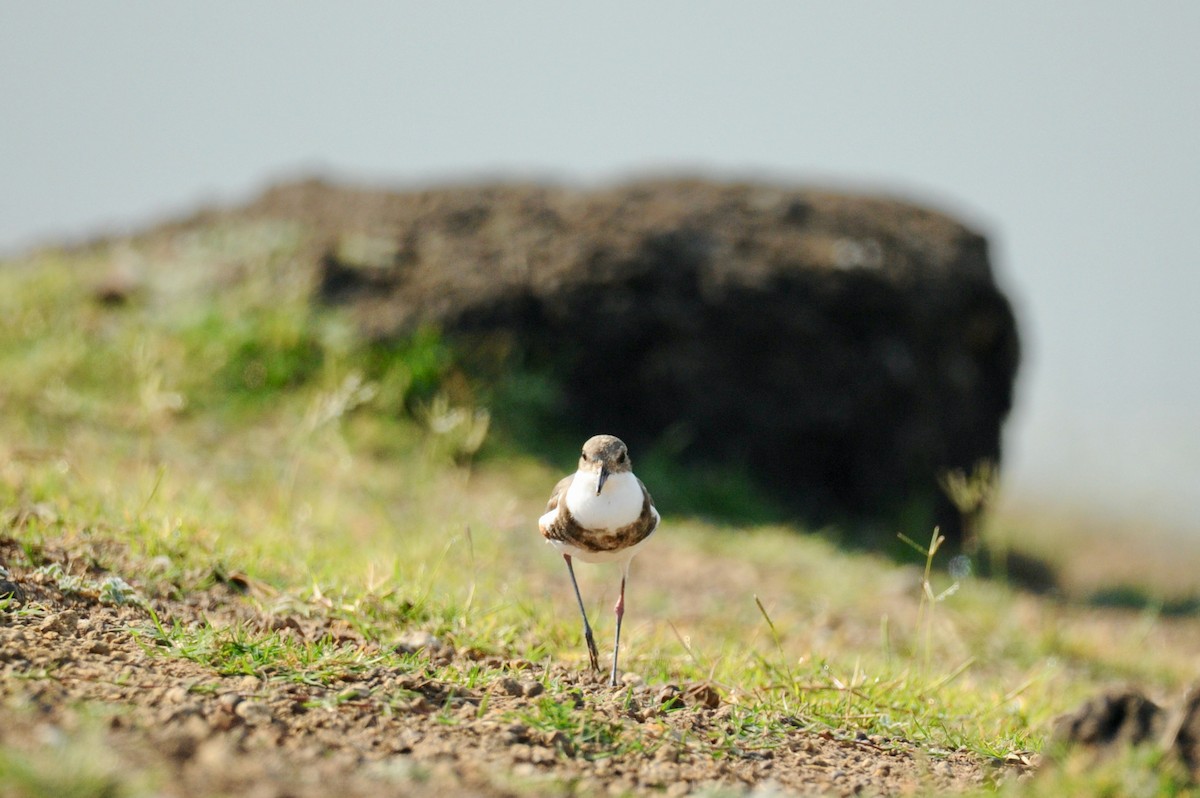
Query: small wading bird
x=601, y=513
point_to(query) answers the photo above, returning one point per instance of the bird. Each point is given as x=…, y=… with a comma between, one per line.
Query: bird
x=602, y=513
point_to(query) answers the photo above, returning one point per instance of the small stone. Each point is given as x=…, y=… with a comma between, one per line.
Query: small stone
x=516, y=733
x=179, y=713
x=98, y=647
x=176, y=695
x=405, y=740
x=222, y=721
x=531, y=688
x=62, y=622
x=622, y=786
x=669, y=698
x=704, y=695
x=417, y=640
x=658, y=774
x=541, y=755
x=356, y=693
x=559, y=741
x=159, y=564
x=666, y=753
x=215, y=754
x=180, y=744
x=254, y=713
x=11, y=590
x=509, y=686
x=229, y=702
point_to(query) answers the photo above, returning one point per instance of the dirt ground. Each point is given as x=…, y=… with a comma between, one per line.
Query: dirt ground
x=81, y=670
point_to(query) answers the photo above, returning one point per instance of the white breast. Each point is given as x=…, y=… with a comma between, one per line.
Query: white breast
x=618, y=505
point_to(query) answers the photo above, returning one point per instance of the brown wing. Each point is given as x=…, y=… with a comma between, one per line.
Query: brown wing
x=554, y=530
x=559, y=491
x=647, y=499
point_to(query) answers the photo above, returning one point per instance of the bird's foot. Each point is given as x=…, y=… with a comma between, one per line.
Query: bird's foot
x=592, y=654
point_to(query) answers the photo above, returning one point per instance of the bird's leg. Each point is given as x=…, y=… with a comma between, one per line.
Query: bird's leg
x=587, y=628
x=620, y=611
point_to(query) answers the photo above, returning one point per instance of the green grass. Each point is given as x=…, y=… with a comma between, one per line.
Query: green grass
x=218, y=424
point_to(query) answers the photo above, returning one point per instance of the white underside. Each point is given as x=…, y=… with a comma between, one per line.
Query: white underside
x=618, y=505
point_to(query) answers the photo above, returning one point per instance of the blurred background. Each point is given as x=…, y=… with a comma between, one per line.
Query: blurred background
x=1068, y=133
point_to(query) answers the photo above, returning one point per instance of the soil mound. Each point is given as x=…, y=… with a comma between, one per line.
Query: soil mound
x=848, y=350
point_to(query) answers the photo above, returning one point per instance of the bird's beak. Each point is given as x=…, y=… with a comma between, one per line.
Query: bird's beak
x=603, y=477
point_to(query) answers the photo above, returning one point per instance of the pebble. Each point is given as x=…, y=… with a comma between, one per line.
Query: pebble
x=175, y=695
x=666, y=753
x=182, y=743
x=63, y=622
x=559, y=741
x=356, y=693
x=510, y=686
x=229, y=701
x=622, y=786
x=405, y=741
x=417, y=640
x=249, y=684
x=540, y=755
x=253, y=712
x=10, y=589
x=657, y=775
x=669, y=697
x=704, y=695
x=215, y=754
x=517, y=732
x=181, y=712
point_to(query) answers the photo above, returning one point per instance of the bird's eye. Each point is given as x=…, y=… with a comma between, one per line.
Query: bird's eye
x=583, y=455
x=621, y=457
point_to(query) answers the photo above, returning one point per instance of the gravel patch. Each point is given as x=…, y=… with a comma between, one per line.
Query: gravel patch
x=76, y=665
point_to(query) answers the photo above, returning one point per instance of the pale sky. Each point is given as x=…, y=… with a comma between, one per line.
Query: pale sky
x=1069, y=132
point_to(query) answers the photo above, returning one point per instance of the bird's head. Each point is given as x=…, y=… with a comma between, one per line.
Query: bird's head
x=604, y=455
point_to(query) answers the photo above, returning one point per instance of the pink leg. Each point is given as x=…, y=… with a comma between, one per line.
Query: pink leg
x=620, y=611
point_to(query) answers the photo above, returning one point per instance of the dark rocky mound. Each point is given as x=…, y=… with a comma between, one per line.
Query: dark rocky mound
x=846, y=349
x=1121, y=718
